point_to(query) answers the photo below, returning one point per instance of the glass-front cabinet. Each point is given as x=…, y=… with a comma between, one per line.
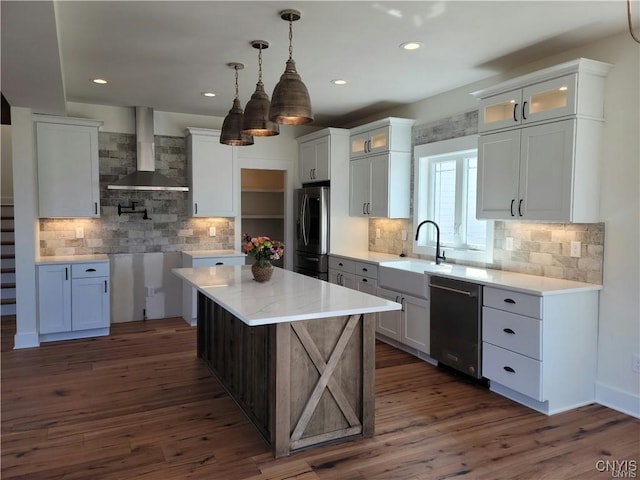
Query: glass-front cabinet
x=373, y=141
x=542, y=101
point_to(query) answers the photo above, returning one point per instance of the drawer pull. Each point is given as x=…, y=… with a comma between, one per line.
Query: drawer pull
x=509, y=369
x=66, y=273
x=510, y=300
x=219, y=263
x=508, y=330
x=454, y=290
x=90, y=270
x=105, y=286
x=364, y=280
x=340, y=264
x=364, y=269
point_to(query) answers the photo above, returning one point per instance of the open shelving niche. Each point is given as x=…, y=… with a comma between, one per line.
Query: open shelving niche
x=262, y=204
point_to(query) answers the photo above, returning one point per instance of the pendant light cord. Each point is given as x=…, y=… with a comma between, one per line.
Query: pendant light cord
x=235, y=67
x=633, y=35
x=290, y=37
x=260, y=64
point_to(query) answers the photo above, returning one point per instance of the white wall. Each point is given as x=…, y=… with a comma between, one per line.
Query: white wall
x=6, y=168
x=618, y=386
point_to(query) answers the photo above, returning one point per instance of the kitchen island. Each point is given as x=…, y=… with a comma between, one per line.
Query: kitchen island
x=295, y=353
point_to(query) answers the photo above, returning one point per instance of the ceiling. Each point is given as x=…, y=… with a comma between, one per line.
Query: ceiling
x=164, y=54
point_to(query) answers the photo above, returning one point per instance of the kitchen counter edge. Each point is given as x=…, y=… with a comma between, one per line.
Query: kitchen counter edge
x=52, y=260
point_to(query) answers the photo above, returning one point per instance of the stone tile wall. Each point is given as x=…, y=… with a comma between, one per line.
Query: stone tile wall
x=169, y=229
x=538, y=248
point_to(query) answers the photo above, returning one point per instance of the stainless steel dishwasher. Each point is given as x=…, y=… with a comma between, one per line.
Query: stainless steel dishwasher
x=456, y=324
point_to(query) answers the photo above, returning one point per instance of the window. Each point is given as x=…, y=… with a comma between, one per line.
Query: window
x=445, y=192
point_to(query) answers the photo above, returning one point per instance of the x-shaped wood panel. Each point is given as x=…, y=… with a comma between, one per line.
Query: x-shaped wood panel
x=326, y=376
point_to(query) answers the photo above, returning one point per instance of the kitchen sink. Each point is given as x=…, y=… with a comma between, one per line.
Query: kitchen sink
x=408, y=275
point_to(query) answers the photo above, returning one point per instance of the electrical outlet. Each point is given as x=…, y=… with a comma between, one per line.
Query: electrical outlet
x=212, y=231
x=79, y=232
x=508, y=244
x=404, y=235
x=377, y=233
x=576, y=249
x=636, y=363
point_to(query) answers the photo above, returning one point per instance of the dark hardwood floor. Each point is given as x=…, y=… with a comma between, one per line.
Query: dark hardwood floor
x=139, y=405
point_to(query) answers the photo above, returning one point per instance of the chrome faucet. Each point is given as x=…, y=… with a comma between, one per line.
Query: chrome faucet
x=439, y=258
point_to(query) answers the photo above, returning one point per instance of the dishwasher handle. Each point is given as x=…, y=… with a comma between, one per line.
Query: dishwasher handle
x=454, y=290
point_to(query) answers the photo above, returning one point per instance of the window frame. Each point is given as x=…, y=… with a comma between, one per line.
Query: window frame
x=422, y=199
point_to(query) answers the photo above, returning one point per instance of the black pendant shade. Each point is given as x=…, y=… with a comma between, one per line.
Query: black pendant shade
x=256, y=113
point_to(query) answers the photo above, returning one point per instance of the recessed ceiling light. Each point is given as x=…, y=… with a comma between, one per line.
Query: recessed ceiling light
x=99, y=81
x=339, y=81
x=208, y=94
x=410, y=45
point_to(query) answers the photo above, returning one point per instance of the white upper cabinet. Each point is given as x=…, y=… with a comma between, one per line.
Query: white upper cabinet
x=538, y=158
x=380, y=169
x=390, y=134
x=212, y=174
x=380, y=186
x=572, y=88
x=68, y=167
x=314, y=160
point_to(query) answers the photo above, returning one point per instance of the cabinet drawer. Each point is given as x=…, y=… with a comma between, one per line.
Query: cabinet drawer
x=213, y=261
x=517, y=333
x=87, y=270
x=515, y=371
x=367, y=269
x=347, y=266
x=367, y=284
x=515, y=302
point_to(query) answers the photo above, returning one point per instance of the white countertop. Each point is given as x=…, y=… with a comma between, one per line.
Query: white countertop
x=50, y=260
x=287, y=297
x=213, y=253
x=532, y=284
x=366, y=256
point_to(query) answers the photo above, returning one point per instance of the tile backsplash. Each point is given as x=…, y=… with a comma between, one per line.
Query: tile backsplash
x=168, y=229
x=538, y=248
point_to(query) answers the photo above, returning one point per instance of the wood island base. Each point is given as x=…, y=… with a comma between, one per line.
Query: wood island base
x=301, y=383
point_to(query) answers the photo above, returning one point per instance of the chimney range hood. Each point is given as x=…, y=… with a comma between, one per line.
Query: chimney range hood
x=146, y=178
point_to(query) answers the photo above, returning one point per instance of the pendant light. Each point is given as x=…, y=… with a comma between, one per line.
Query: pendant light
x=232, y=126
x=290, y=103
x=256, y=113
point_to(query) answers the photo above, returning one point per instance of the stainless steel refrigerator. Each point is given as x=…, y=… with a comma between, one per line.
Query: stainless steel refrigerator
x=312, y=231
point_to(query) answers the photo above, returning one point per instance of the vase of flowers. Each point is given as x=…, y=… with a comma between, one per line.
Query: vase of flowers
x=263, y=250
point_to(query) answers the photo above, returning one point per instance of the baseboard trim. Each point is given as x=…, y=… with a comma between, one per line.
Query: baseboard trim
x=617, y=399
x=25, y=340
x=54, y=337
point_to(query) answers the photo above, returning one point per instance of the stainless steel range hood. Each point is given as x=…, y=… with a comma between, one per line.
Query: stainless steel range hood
x=146, y=178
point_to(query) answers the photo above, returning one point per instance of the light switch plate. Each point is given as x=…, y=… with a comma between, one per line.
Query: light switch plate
x=404, y=235
x=508, y=244
x=79, y=232
x=212, y=231
x=377, y=233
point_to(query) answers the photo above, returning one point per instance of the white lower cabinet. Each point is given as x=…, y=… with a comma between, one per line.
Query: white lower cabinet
x=541, y=350
x=190, y=294
x=73, y=300
x=409, y=326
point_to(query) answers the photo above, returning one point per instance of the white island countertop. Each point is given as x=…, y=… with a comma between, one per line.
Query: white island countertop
x=287, y=297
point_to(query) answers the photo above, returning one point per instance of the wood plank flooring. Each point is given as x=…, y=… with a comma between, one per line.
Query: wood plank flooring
x=139, y=405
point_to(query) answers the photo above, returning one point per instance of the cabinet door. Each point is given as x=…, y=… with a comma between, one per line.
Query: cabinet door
x=322, y=171
x=68, y=177
x=358, y=145
x=348, y=280
x=90, y=303
x=389, y=323
x=54, y=298
x=334, y=276
x=380, y=186
x=551, y=99
x=307, y=161
x=546, y=171
x=378, y=140
x=500, y=111
x=360, y=187
x=415, y=323
x=212, y=177
x=498, y=167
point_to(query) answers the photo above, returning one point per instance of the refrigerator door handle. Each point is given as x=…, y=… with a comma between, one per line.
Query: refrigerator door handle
x=306, y=220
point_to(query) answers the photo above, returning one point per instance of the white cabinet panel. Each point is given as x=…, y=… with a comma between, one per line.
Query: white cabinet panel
x=415, y=323
x=314, y=163
x=54, y=298
x=90, y=303
x=212, y=174
x=68, y=173
x=389, y=324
